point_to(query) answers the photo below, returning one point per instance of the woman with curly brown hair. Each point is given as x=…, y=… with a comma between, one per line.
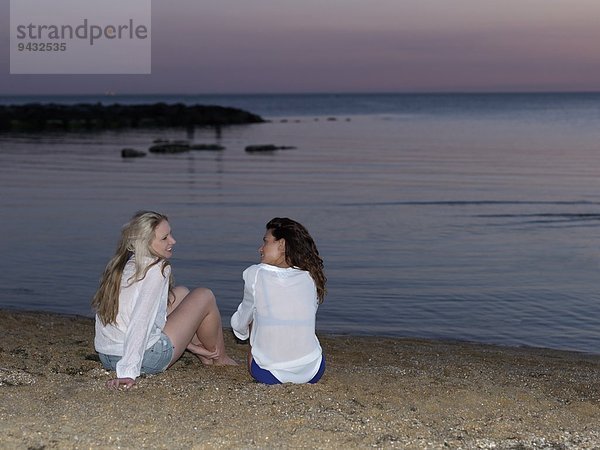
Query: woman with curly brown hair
x=278, y=312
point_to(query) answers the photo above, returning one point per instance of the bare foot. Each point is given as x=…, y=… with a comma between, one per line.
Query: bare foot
x=205, y=361
x=225, y=361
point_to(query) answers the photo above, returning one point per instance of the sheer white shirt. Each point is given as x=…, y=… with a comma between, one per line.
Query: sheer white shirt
x=142, y=316
x=281, y=304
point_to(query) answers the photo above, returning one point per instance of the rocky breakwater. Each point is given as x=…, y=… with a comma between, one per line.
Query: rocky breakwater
x=97, y=116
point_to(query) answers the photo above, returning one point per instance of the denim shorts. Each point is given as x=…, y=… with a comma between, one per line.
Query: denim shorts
x=156, y=358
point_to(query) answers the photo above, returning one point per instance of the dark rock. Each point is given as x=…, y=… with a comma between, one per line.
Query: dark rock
x=132, y=153
x=266, y=148
x=207, y=147
x=170, y=147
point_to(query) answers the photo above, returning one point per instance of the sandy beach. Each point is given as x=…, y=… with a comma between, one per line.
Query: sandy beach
x=376, y=392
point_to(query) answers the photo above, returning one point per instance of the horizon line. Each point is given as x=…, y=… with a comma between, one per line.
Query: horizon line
x=110, y=94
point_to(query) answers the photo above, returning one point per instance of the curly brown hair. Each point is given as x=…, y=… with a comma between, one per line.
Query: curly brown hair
x=300, y=250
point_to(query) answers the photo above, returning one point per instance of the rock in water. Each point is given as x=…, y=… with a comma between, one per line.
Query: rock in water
x=171, y=147
x=266, y=148
x=132, y=153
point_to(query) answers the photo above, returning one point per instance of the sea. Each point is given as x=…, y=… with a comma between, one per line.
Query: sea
x=461, y=217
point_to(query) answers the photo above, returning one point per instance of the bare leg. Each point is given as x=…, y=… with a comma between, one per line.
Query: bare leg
x=179, y=294
x=194, y=323
x=175, y=298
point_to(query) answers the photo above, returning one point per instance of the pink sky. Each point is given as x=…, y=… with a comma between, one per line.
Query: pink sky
x=262, y=46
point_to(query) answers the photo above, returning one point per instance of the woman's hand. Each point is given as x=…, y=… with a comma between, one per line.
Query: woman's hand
x=202, y=351
x=118, y=383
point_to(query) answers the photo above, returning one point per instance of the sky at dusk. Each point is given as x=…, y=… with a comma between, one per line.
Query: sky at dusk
x=277, y=46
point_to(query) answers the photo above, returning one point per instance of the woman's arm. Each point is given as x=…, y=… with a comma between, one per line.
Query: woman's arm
x=149, y=293
x=243, y=317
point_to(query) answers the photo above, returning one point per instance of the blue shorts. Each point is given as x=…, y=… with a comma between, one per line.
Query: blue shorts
x=156, y=358
x=264, y=376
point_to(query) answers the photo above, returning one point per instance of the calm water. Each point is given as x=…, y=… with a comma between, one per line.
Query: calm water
x=468, y=217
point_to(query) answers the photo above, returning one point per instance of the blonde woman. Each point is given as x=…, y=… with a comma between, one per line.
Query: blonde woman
x=143, y=323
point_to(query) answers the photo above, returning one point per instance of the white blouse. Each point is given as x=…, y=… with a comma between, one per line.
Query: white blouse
x=142, y=316
x=281, y=304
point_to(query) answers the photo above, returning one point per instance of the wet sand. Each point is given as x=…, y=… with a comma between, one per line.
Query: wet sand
x=376, y=392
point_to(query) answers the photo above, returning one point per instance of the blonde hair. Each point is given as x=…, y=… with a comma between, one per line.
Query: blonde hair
x=136, y=239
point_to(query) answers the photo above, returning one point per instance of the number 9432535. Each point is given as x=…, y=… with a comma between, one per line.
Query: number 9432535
x=42, y=46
